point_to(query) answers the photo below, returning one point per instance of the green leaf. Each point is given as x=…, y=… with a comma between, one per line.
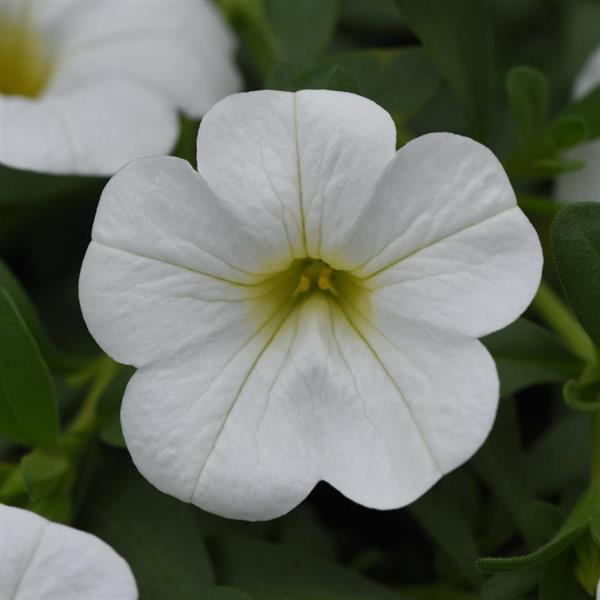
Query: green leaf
x=49, y=480
x=500, y=464
x=6, y=470
x=595, y=523
x=301, y=29
x=527, y=354
x=301, y=529
x=28, y=410
x=549, y=166
x=282, y=32
x=527, y=90
x=13, y=490
x=588, y=108
x=499, y=527
x=509, y=586
x=560, y=456
x=380, y=16
x=436, y=592
x=587, y=563
x=539, y=557
x=575, y=237
x=557, y=581
x=458, y=36
x=157, y=535
x=250, y=22
x=439, y=515
x=576, y=524
x=42, y=471
x=22, y=188
x=19, y=296
x=538, y=205
x=401, y=80
x=271, y=571
x=109, y=408
x=283, y=77
x=567, y=131
x=340, y=79
x=229, y=593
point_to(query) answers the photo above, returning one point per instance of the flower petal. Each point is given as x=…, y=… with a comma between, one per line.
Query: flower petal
x=172, y=266
x=92, y=130
x=304, y=163
x=46, y=561
x=462, y=256
x=589, y=77
x=183, y=49
x=315, y=394
x=583, y=184
x=191, y=425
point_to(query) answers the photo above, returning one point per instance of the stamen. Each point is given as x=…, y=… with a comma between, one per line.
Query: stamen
x=316, y=274
x=324, y=281
x=303, y=284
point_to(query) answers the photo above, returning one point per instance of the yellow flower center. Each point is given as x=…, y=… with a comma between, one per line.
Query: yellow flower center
x=315, y=274
x=25, y=63
x=307, y=277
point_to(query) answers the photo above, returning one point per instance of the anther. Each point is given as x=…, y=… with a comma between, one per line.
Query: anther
x=324, y=280
x=303, y=284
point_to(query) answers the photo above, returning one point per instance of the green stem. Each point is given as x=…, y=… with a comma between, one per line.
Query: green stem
x=86, y=422
x=553, y=310
x=595, y=426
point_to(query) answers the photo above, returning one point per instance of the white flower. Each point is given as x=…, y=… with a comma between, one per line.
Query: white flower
x=306, y=307
x=41, y=560
x=583, y=184
x=86, y=86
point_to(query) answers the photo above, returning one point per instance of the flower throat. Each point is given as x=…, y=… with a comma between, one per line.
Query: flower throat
x=316, y=275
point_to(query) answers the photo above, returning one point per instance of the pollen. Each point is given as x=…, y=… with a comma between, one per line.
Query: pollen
x=25, y=63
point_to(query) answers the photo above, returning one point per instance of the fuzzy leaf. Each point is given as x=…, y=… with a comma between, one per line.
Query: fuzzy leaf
x=576, y=244
x=567, y=132
x=528, y=99
x=527, y=354
x=576, y=524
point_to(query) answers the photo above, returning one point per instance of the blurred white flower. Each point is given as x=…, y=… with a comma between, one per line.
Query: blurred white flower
x=583, y=184
x=306, y=307
x=87, y=86
x=47, y=561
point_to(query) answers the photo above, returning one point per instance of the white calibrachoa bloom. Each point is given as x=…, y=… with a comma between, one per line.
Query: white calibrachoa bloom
x=306, y=306
x=86, y=86
x=584, y=184
x=41, y=560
